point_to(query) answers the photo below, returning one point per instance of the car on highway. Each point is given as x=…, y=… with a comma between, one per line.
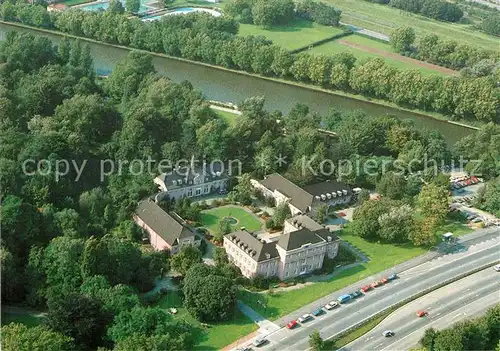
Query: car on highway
x=356, y=294
x=375, y=284
x=344, y=298
x=384, y=280
x=388, y=333
x=392, y=276
x=305, y=318
x=366, y=288
x=317, y=312
x=292, y=324
x=497, y=268
x=421, y=313
x=259, y=342
x=331, y=305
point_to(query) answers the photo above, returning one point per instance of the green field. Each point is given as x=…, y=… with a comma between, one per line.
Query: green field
x=229, y=117
x=210, y=218
x=215, y=336
x=74, y=2
x=382, y=257
x=383, y=19
x=298, y=34
x=334, y=47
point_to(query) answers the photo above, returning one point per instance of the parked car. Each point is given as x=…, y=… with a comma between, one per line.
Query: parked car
x=317, y=312
x=366, y=288
x=384, y=280
x=375, y=284
x=292, y=324
x=421, y=313
x=259, y=342
x=304, y=318
x=356, y=294
x=388, y=333
x=392, y=276
x=331, y=305
x=344, y=298
x=497, y=268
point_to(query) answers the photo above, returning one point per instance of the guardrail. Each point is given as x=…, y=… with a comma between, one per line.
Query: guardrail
x=409, y=299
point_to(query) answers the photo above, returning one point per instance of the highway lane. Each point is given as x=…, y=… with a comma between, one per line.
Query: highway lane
x=460, y=300
x=410, y=282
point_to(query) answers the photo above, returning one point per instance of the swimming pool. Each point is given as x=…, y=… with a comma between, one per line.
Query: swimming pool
x=182, y=11
x=103, y=5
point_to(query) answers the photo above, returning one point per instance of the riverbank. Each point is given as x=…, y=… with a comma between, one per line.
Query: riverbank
x=308, y=87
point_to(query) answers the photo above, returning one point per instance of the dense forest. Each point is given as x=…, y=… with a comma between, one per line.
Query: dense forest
x=200, y=37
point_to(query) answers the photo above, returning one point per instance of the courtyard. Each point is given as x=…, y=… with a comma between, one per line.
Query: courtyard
x=237, y=216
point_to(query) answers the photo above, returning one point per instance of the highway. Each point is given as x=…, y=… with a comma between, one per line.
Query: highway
x=412, y=281
x=463, y=299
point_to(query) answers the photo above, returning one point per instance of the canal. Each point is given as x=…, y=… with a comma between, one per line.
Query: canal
x=229, y=86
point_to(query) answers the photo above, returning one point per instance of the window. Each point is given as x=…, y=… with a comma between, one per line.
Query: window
x=286, y=275
x=190, y=192
x=198, y=191
x=206, y=189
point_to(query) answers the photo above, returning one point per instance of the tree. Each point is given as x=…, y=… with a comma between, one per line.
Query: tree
x=146, y=322
x=243, y=191
x=132, y=6
x=269, y=13
x=491, y=25
x=281, y=213
x=397, y=225
x=202, y=284
x=428, y=338
x=220, y=257
x=115, y=6
x=365, y=219
x=186, y=258
x=392, y=185
x=364, y=195
x=433, y=202
x=17, y=336
x=321, y=213
x=316, y=343
x=79, y=317
x=402, y=38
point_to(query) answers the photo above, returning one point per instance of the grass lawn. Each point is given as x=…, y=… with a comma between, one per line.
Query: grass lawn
x=298, y=34
x=216, y=336
x=334, y=47
x=383, y=256
x=229, y=117
x=457, y=228
x=383, y=19
x=211, y=218
x=29, y=320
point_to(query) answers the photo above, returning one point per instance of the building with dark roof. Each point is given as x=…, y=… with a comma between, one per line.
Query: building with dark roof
x=306, y=199
x=192, y=181
x=299, y=250
x=165, y=231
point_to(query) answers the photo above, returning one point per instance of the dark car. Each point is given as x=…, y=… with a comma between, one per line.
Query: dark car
x=317, y=312
x=356, y=294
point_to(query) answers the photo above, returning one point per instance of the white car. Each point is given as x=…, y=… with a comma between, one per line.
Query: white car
x=388, y=333
x=259, y=342
x=304, y=318
x=497, y=268
x=331, y=305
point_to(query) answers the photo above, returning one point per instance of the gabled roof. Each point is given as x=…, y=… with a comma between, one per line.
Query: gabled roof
x=256, y=249
x=161, y=222
x=184, y=176
x=299, y=198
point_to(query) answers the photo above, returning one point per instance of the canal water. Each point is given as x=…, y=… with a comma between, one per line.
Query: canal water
x=232, y=87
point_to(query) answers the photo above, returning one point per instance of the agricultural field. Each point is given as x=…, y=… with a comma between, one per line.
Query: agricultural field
x=296, y=35
x=363, y=48
x=383, y=19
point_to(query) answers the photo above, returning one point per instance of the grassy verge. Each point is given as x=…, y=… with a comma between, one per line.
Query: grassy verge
x=335, y=47
x=228, y=117
x=215, y=336
x=384, y=19
x=382, y=257
x=210, y=218
x=336, y=344
x=298, y=34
